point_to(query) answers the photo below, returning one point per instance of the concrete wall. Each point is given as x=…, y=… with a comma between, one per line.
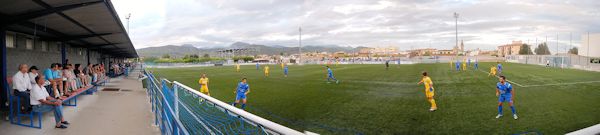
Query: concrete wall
x=565, y=61
x=38, y=57
x=43, y=58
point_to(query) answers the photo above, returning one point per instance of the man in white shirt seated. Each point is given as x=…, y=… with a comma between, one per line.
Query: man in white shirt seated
x=21, y=86
x=42, y=102
x=33, y=72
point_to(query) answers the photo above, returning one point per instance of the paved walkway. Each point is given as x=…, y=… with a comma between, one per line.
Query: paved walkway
x=104, y=113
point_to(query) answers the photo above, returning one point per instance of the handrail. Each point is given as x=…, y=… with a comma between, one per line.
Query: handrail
x=264, y=123
x=168, y=108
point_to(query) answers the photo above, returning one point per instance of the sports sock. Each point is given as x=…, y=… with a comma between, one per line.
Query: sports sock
x=433, y=105
x=500, y=109
x=243, y=106
x=512, y=108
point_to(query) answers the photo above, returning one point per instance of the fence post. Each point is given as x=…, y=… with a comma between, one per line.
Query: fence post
x=175, y=100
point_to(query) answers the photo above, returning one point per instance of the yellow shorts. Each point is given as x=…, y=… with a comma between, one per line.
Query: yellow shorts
x=429, y=93
x=204, y=90
x=493, y=73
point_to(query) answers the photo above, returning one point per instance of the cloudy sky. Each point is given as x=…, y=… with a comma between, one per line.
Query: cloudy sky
x=405, y=24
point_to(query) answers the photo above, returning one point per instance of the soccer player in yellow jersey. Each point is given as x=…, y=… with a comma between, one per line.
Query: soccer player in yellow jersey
x=492, y=71
x=451, y=64
x=204, y=84
x=464, y=65
x=237, y=67
x=429, y=91
x=282, y=65
x=267, y=71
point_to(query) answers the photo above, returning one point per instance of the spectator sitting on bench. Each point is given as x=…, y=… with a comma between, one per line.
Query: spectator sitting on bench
x=55, y=80
x=21, y=86
x=71, y=84
x=81, y=75
x=101, y=70
x=58, y=75
x=33, y=72
x=43, y=102
x=94, y=73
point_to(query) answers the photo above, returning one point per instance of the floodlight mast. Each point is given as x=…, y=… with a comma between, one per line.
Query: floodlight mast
x=299, y=45
x=456, y=28
x=128, y=16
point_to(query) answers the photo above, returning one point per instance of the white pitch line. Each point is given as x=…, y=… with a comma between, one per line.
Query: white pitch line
x=544, y=84
x=562, y=83
x=506, y=79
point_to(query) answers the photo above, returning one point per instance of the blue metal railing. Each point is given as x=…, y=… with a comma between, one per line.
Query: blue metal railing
x=180, y=109
x=164, y=113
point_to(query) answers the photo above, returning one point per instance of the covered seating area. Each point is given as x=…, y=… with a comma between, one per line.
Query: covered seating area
x=85, y=38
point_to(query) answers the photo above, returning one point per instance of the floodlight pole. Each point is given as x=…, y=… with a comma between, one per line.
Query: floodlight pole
x=588, y=49
x=299, y=45
x=128, y=16
x=456, y=28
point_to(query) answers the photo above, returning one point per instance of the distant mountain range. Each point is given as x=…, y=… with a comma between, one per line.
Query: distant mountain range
x=181, y=50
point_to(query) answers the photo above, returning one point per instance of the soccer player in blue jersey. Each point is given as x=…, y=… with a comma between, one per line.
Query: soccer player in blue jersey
x=240, y=93
x=330, y=75
x=505, y=92
x=499, y=68
x=285, y=70
x=476, y=64
x=468, y=62
x=257, y=67
x=457, y=65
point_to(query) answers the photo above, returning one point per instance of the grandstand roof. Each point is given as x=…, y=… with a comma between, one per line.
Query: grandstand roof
x=92, y=24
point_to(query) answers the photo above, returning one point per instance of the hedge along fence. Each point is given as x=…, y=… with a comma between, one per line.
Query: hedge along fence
x=184, y=60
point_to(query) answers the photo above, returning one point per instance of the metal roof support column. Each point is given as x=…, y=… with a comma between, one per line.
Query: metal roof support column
x=63, y=53
x=87, y=53
x=3, y=74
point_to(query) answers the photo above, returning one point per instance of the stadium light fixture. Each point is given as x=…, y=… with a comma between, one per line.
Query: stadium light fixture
x=128, y=16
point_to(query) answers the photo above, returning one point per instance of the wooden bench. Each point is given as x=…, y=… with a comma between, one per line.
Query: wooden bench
x=72, y=99
x=100, y=81
x=69, y=101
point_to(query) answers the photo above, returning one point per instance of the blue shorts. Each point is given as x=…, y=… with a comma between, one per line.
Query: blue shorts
x=240, y=96
x=505, y=97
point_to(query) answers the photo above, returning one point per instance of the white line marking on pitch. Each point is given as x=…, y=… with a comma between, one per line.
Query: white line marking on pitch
x=562, y=83
x=506, y=79
x=544, y=84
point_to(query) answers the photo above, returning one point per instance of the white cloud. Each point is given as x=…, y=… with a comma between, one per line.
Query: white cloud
x=405, y=24
x=355, y=8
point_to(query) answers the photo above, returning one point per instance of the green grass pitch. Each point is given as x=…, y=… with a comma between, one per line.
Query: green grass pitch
x=373, y=100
